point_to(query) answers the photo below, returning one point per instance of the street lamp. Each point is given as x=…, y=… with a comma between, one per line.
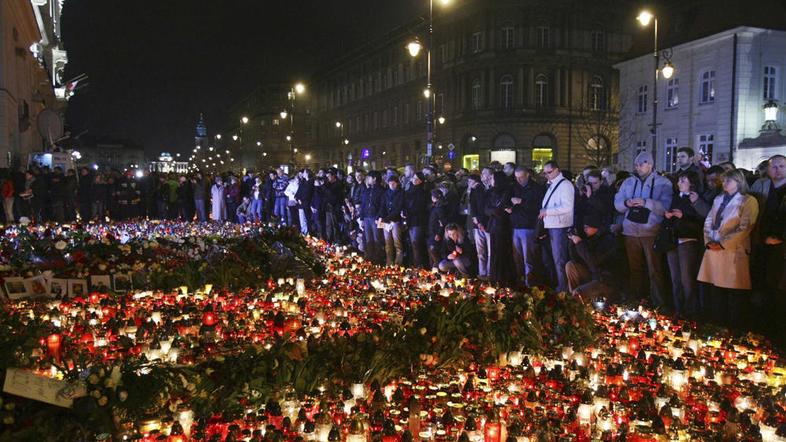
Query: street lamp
x=644, y=18
x=414, y=47
x=244, y=120
x=441, y=120
x=284, y=115
x=300, y=88
x=234, y=137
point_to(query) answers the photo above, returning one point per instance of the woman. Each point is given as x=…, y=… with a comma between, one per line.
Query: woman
x=437, y=220
x=686, y=217
x=218, y=207
x=727, y=232
x=459, y=251
x=498, y=209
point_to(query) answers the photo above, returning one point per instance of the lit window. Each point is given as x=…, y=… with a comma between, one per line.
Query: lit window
x=770, y=76
x=642, y=104
x=673, y=92
x=671, y=154
x=706, y=144
x=707, y=87
x=596, y=94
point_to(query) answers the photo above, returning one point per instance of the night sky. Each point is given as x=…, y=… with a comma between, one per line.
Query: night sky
x=154, y=65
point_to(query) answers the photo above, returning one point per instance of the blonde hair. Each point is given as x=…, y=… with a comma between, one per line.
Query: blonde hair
x=458, y=229
x=736, y=175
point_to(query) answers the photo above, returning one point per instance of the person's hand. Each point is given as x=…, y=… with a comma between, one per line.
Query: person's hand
x=436, y=238
x=635, y=202
x=693, y=197
x=509, y=210
x=542, y=214
x=575, y=238
x=458, y=250
x=515, y=201
x=402, y=214
x=677, y=213
x=668, y=214
x=452, y=256
x=773, y=241
x=714, y=246
x=588, y=190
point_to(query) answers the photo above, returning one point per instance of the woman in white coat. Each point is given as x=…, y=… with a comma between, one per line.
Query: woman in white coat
x=725, y=266
x=218, y=207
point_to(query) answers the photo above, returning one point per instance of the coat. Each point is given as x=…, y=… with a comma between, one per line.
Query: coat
x=218, y=207
x=657, y=192
x=729, y=267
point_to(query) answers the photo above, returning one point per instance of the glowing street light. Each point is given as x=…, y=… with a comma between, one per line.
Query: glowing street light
x=300, y=88
x=234, y=137
x=218, y=136
x=259, y=143
x=244, y=120
x=308, y=157
x=441, y=119
x=414, y=47
x=645, y=17
x=668, y=70
x=284, y=115
x=338, y=124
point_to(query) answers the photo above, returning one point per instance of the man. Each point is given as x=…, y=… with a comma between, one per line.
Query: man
x=713, y=184
x=769, y=249
x=409, y=173
x=643, y=199
x=332, y=198
x=371, y=202
x=199, y=191
x=304, y=194
x=557, y=215
x=525, y=198
x=85, y=194
x=280, y=209
x=57, y=195
x=390, y=219
x=597, y=198
x=416, y=215
x=593, y=260
x=477, y=202
x=509, y=169
x=685, y=157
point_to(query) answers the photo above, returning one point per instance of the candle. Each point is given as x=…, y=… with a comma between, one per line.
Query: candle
x=492, y=431
x=53, y=343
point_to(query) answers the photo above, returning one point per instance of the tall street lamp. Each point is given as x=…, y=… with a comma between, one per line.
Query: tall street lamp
x=644, y=18
x=414, y=48
x=297, y=89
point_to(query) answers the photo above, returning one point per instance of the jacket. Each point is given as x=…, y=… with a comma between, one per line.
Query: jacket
x=525, y=215
x=657, y=192
x=416, y=206
x=561, y=199
x=280, y=185
x=693, y=215
x=477, y=204
x=392, y=206
x=729, y=267
x=437, y=220
x=304, y=193
x=371, y=202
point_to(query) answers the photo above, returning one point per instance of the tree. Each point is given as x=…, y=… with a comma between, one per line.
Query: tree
x=600, y=131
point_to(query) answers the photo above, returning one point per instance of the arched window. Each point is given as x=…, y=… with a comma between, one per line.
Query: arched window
x=476, y=94
x=506, y=92
x=596, y=94
x=541, y=90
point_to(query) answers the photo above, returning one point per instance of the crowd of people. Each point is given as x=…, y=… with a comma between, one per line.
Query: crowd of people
x=706, y=241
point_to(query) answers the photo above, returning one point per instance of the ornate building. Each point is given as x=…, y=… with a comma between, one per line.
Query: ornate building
x=522, y=81
x=30, y=78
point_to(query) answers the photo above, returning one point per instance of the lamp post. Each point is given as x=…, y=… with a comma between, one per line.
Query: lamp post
x=297, y=89
x=414, y=48
x=644, y=18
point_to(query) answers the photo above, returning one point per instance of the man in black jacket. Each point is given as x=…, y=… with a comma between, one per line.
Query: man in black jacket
x=593, y=258
x=477, y=203
x=371, y=202
x=416, y=214
x=332, y=199
x=390, y=219
x=526, y=198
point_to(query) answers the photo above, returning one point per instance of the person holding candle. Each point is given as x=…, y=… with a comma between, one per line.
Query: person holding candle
x=725, y=266
x=459, y=251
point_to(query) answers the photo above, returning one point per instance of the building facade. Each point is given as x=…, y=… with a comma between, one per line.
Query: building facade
x=513, y=81
x=714, y=102
x=31, y=58
x=108, y=155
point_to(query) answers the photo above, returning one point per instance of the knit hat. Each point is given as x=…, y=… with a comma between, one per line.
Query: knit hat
x=644, y=157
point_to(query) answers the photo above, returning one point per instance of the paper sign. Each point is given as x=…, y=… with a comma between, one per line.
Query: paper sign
x=34, y=386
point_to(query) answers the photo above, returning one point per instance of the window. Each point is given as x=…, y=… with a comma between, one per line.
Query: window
x=405, y=117
x=476, y=94
x=477, y=42
x=419, y=110
x=275, y=122
x=642, y=104
x=394, y=77
x=542, y=37
x=596, y=94
x=707, y=87
x=443, y=53
x=641, y=146
x=506, y=92
x=671, y=154
x=706, y=144
x=508, y=37
x=376, y=120
x=541, y=90
x=770, y=75
x=598, y=41
x=673, y=93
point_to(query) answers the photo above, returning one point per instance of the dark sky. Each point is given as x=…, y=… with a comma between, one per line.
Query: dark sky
x=154, y=65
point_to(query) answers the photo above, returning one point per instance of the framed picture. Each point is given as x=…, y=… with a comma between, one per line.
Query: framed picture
x=15, y=287
x=58, y=287
x=122, y=282
x=37, y=286
x=77, y=287
x=100, y=283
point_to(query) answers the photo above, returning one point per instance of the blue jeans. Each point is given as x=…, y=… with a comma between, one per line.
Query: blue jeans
x=281, y=210
x=684, y=262
x=483, y=247
x=558, y=240
x=303, y=218
x=255, y=211
x=373, y=239
x=524, y=243
x=418, y=245
x=461, y=263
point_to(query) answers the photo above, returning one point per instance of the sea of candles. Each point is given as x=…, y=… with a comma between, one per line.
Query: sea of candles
x=647, y=377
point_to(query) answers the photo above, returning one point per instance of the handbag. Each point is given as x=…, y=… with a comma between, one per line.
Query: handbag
x=541, y=232
x=640, y=215
x=666, y=239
